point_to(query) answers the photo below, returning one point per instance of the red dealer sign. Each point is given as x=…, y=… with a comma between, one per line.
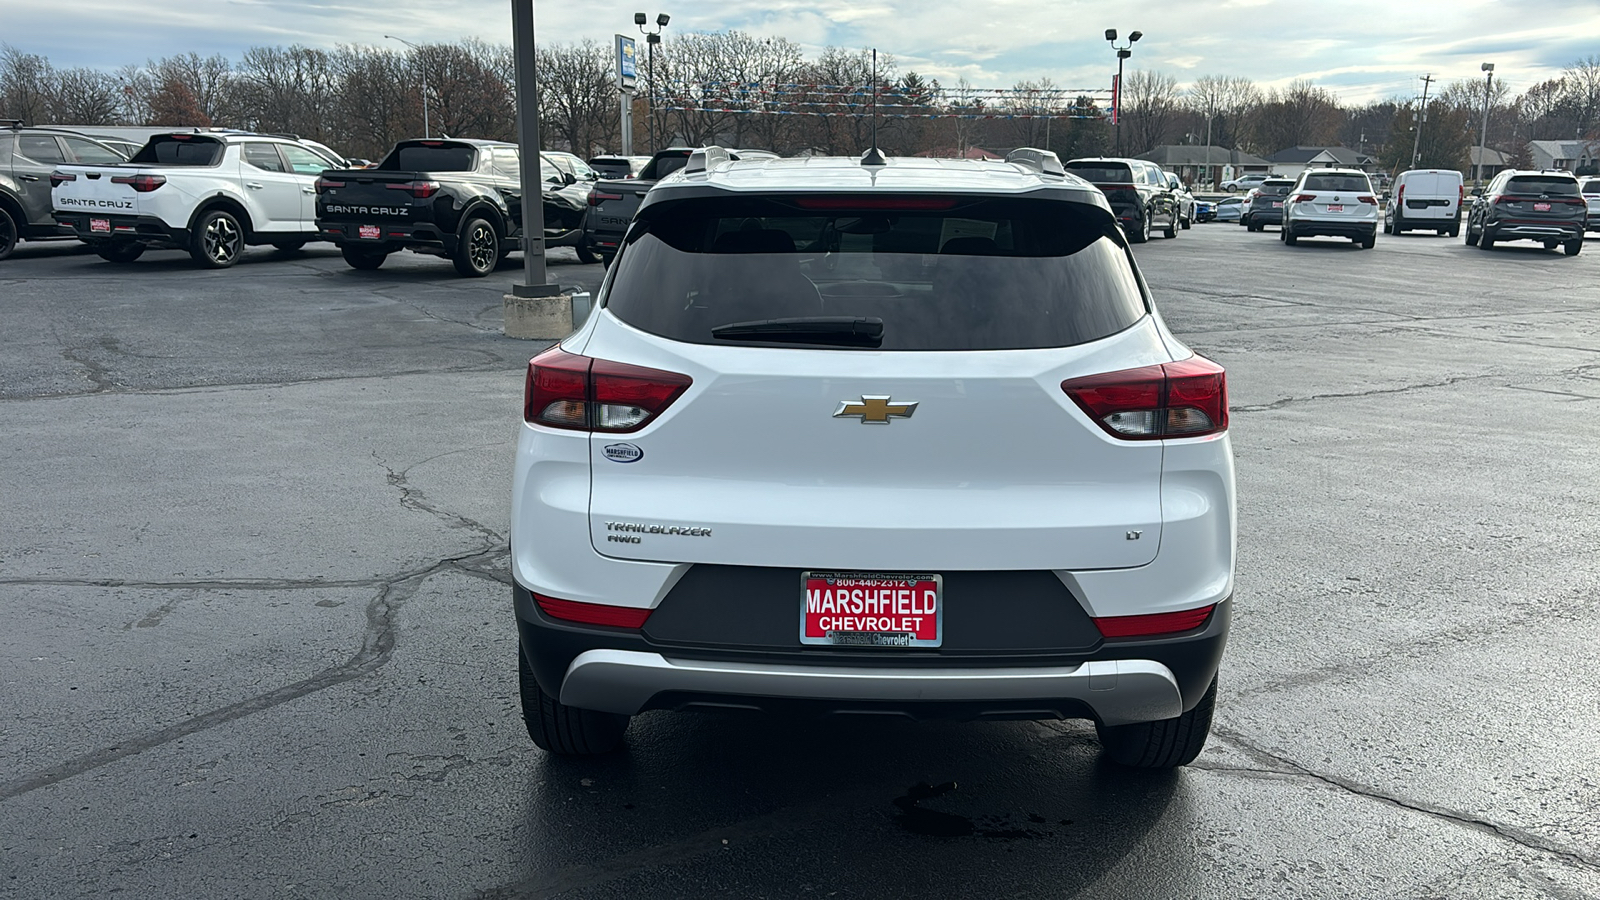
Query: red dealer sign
x=871, y=609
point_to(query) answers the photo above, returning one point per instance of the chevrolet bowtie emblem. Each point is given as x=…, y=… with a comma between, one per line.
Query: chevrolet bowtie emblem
x=876, y=409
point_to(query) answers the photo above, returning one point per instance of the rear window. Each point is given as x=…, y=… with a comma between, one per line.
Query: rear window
x=1543, y=184
x=1350, y=183
x=662, y=166
x=1101, y=173
x=1591, y=187
x=1274, y=188
x=972, y=274
x=432, y=156
x=180, y=150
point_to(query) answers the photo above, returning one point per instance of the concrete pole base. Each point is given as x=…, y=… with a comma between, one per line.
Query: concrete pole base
x=538, y=318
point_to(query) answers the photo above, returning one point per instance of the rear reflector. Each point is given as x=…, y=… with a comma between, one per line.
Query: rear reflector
x=564, y=390
x=1188, y=398
x=419, y=189
x=324, y=184
x=141, y=184
x=882, y=201
x=592, y=613
x=1303, y=198
x=1367, y=198
x=1150, y=626
x=57, y=179
x=598, y=197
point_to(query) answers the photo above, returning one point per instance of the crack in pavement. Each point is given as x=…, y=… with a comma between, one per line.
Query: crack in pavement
x=1277, y=766
x=514, y=368
x=414, y=499
x=377, y=647
x=1375, y=392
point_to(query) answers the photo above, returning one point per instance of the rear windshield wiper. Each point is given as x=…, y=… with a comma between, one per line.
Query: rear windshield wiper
x=843, y=331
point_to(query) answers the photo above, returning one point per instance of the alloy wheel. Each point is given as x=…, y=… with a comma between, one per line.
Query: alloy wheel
x=222, y=239
x=481, y=248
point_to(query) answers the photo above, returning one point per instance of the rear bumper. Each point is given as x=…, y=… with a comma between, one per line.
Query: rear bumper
x=1514, y=230
x=1265, y=216
x=1116, y=682
x=1364, y=228
x=424, y=237
x=144, y=229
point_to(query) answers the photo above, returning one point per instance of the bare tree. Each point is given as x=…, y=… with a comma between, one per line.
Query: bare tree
x=85, y=96
x=578, y=96
x=1149, y=110
x=1302, y=114
x=207, y=80
x=377, y=102
x=1226, y=102
x=27, y=84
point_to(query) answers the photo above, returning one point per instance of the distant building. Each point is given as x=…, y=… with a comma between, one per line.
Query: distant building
x=1291, y=161
x=1202, y=165
x=1569, y=155
x=1486, y=163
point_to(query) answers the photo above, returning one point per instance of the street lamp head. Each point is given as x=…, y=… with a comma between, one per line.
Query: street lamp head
x=652, y=37
x=662, y=20
x=1111, y=34
x=1134, y=37
x=1124, y=53
x=640, y=18
x=1488, y=67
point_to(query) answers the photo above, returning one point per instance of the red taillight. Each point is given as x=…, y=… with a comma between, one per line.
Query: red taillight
x=1367, y=198
x=1401, y=196
x=326, y=184
x=422, y=190
x=57, y=179
x=592, y=613
x=1303, y=198
x=142, y=184
x=597, y=197
x=886, y=201
x=1153, y=625
x=1181, y=399
x=564, y=390
x=1461, y=192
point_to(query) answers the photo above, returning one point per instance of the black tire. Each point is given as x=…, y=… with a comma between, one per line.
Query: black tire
x=606, y=259
x=363, y=258
x=8, y=233
x=217, y=240
x=1166, y=744
x=1289, y=238
x=1388, y=225
x=1485, y=240
x=1171, y=231
x=561, y=729
x=119, y=251
x=288, y=246
x=477, y=248
x=586, y=255
x=1573, y=248
x=1551, y=245
x=1399, y=224
x=1142, y=233
x=1472, y=239
x=1368, y=242
x=1454, y=230
x=1186, y=223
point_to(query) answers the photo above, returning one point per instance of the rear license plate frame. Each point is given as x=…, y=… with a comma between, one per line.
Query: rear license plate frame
x=1336, y=207
x=1541, y=207
x=369, y=232
x=910, y=638
x=99, y=226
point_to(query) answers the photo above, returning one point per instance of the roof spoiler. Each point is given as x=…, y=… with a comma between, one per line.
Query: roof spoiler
x=13, y=124
x=707, y=159
x=1042, y=161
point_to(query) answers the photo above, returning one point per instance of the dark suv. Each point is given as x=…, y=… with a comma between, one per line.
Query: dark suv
x=27, y=157
x=1137, y=191
x=1530, y=206
x=1266, y=204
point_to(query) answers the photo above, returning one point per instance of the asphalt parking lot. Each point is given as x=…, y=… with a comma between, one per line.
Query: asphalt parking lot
x=258, y=636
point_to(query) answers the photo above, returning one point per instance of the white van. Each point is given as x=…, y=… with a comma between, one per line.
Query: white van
x=1425, y=199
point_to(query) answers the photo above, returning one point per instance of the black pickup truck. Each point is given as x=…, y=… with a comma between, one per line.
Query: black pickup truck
x=614, y=201
x=456, y=198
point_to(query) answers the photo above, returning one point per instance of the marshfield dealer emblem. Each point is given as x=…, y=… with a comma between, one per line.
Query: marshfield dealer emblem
x=875, y=409
x=623, y=453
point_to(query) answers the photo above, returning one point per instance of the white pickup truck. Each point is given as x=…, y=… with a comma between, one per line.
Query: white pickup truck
x=208, y=193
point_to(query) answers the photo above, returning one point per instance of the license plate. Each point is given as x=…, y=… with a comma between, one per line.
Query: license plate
x=1277, y=203
x=1541, y=207
x=1335, y=207
x=872, y=609
x=100, y=226
x=368, y=232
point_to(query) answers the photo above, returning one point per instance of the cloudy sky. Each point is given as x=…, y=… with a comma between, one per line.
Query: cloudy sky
x=1361, y=49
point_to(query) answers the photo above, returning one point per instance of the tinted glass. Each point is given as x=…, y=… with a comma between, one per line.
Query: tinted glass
x=507, y=164
x=1337, y=183
x=262, y=156
x=612, y=168
x=1101, y=173
x=1274, y=189
x=662, y=166
x=40, y=148
x=438, y=158
x=983, y=275
x=303, y=161
x=180, y=150
x=1591, y=187
x=91, y=153
x=1543, y=184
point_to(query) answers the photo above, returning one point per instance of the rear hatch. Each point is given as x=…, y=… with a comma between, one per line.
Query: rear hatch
x=888, y=396
x=1270, y=196
x=400, y=191
x=1114, y=179
x=1430, y=195
x=1336, y=196
x=1541, y=198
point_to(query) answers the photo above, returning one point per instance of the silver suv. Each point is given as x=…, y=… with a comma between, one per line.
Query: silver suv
x=27, y=157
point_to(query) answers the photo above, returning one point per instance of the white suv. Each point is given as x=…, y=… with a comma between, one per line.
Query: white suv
x=1332, y=203
x=900, y=437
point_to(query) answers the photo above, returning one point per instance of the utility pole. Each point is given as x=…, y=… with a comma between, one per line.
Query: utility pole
x=1484, y=134
x=1422, y=119
x=1211, y=113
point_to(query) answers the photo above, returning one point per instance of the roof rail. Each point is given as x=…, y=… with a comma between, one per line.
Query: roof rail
x=1042, y=161
x=706, y=159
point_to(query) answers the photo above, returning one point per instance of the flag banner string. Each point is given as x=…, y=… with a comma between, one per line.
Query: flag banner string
x=868, y=114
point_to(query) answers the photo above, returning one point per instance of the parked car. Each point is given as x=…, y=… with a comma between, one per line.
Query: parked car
x=567, y=162
x=1425, y=199
x=839, y=337
x=1331, y=203
x=1590, y=187
x=1228, y=209
x=1523, y=205
x=1244, y=206
x=455, y=198
x=211, y=194
x=618, y=167
x=1187, y=215
x=1137, y=191
x=27, y=157
x=613, y=201
x=1247, y=181
x=1266, y=204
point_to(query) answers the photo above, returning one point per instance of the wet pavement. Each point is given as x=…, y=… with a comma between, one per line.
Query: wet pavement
x=259, y=640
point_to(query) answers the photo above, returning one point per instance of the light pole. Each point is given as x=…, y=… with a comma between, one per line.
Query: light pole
x=651, y=39
x=1116, y=100
x=423, y=64
x=1422, y=119
x=1483, y=135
